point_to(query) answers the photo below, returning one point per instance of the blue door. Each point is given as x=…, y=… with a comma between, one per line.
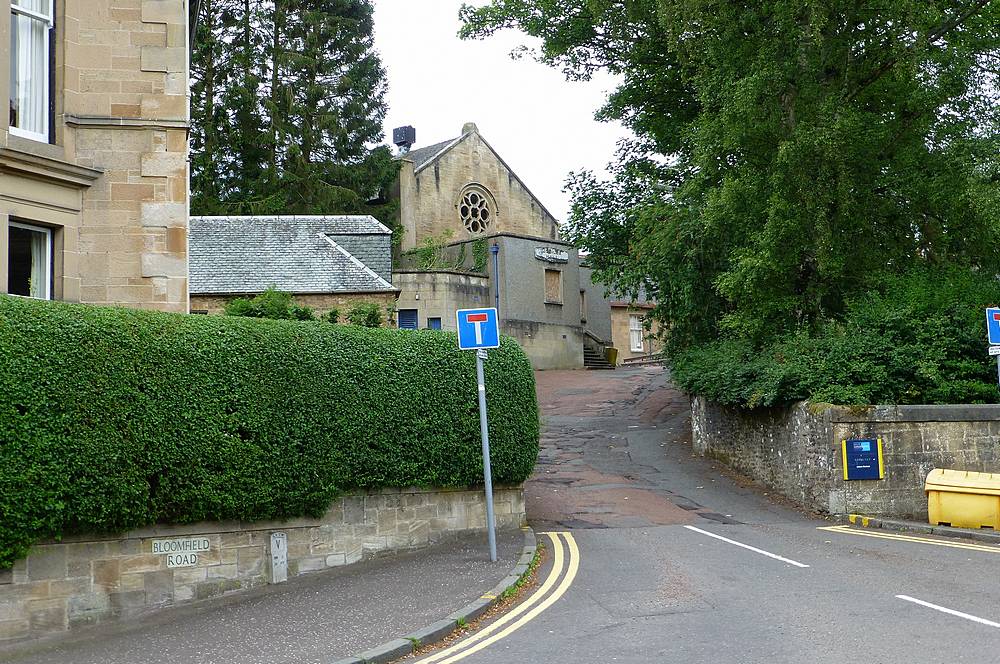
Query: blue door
x=407, y=319
x=434, y=323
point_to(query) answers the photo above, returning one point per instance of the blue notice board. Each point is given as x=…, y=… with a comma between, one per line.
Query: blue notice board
x=477, y=328
x=863, y=459
x=993, y=325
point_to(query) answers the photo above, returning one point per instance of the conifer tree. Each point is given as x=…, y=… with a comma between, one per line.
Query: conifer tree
x=288, y=102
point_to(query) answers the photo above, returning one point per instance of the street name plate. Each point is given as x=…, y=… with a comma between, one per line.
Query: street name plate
x=994, y=350
x=182, y=552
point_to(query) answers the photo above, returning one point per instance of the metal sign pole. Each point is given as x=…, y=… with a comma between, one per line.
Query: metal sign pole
x=487, y=473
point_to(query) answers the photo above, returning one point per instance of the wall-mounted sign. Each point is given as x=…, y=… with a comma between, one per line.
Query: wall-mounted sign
x=181, y=552
x=551, y=255
x=862, y=459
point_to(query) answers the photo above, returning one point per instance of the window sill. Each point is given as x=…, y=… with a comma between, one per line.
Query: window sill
x=553, y=302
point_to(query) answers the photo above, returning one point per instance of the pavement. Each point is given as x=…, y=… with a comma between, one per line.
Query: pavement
x=312, y=619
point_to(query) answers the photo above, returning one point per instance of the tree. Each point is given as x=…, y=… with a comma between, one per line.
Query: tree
x=288, y=103
x=788, y=155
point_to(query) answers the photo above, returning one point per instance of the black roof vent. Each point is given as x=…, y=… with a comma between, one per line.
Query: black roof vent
x=404, y=138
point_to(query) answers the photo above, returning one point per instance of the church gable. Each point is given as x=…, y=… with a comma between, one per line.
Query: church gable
x=461, y=189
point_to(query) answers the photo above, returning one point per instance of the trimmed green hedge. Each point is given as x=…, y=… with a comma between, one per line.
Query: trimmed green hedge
x=112, y=419
x=919, y=338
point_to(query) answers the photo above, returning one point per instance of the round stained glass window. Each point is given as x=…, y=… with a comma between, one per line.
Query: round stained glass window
x=475, y=210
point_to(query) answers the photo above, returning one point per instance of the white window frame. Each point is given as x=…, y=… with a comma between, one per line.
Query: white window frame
x=49, y=21
x=48, y=252
x=636, y=342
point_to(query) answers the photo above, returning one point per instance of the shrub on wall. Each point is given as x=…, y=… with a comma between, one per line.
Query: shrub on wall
x=920, y=338
x=272, y=303
x=367, y=314
x=112, y=419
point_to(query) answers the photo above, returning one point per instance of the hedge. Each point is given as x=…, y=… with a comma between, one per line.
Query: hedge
x=113, y=419
x=919, y=338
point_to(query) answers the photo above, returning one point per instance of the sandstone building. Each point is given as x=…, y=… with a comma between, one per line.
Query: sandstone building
x=473, y=235
x=93, y=151
x=632, y=334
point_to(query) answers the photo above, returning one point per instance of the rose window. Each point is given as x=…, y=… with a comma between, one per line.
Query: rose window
x=475, y=210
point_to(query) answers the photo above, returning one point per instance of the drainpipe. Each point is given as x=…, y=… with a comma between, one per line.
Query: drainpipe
x=495, y=250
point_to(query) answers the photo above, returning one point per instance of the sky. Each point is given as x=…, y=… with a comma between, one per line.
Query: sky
x=542, y=125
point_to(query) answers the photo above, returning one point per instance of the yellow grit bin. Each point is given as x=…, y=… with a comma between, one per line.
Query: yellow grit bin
x=963, y=499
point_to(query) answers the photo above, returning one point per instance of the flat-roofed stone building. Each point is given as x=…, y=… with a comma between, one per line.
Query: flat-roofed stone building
x=325, y=262
x=93, y=151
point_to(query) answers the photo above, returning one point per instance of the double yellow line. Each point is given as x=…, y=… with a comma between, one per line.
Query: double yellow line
x=565, y=558
x=847, y=530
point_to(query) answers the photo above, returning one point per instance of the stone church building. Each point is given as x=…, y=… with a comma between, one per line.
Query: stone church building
x=473, y=235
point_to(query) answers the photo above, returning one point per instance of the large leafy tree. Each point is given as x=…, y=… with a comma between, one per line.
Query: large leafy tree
x=287, y=108
x=787, y=155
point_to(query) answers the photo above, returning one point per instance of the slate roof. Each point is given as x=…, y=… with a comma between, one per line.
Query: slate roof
x=308, y=254
x=421, y=156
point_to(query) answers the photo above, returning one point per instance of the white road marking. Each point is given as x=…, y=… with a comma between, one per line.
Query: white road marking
x=747, y=546
x=952, y=612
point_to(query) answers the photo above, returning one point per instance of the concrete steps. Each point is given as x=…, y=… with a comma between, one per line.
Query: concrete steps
x=595, y=359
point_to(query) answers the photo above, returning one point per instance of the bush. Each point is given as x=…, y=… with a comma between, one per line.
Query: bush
x=272, y=303
x=332, y=316
x=368, y=314
x=920, y=338
x=112, y=419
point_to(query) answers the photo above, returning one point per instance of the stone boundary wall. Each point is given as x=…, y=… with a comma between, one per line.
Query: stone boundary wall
x=796, y=451
x=82, y=581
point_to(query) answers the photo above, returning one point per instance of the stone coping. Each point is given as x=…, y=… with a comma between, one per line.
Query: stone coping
x=916, y=413
x=217, y=527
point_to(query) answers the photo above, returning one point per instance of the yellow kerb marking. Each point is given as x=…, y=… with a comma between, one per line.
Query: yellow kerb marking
x=488, y=596
x=574, y=564
x=550, y=580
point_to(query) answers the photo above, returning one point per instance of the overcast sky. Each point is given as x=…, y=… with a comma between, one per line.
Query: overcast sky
x=542, y=125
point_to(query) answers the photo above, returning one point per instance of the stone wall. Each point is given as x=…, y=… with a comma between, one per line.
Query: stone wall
x=321, y=303
x=548, y=346
x=83, y=581
x=797, y=450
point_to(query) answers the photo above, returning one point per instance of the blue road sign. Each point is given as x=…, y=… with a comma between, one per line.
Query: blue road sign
x=993, y=325
x=477, y=328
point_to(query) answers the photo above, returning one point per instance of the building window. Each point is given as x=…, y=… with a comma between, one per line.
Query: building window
x=29, y=261
x=475, y=209
x=635, y=333
x=433, y=323
x=407, y=319
x=583, y=306
x=30, y=30
x=553, y=287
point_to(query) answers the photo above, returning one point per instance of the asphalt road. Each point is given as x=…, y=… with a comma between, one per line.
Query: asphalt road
x=654, y=583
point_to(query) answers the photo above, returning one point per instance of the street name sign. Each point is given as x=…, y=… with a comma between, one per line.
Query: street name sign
x=477, y=328
x=181, y=552
x=863, y=459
